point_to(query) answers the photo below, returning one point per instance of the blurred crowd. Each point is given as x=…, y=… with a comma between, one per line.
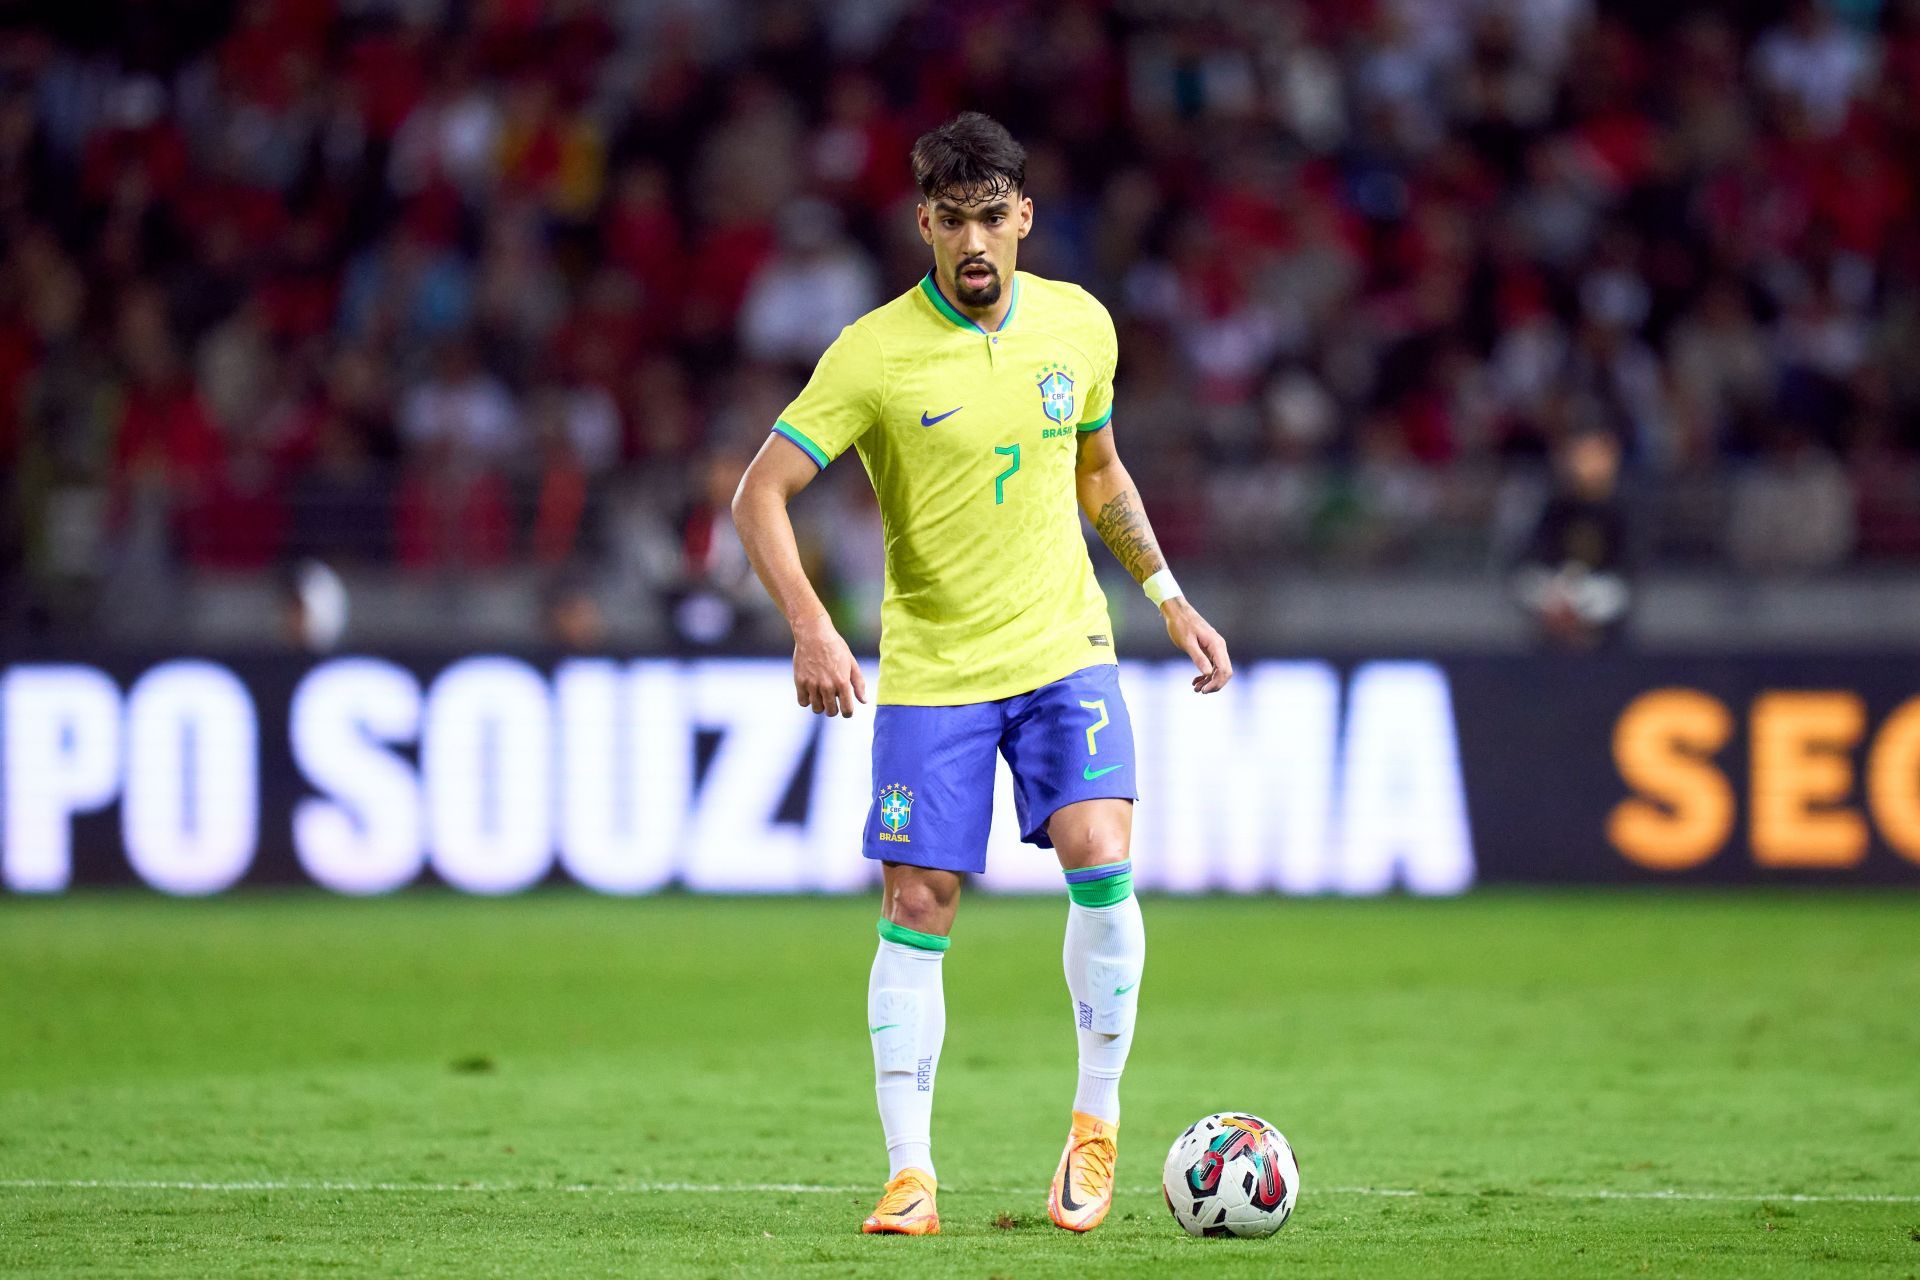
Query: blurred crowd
x=457, y=285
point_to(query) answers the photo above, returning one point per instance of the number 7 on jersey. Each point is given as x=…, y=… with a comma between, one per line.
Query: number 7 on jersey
x=1000, y=481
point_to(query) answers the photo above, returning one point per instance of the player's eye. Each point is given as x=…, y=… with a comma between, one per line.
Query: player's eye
x=997, y=219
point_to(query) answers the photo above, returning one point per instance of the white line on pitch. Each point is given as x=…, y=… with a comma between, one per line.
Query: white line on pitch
x=808, y=1188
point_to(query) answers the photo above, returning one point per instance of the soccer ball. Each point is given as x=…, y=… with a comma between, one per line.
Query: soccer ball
x=1231, y=1175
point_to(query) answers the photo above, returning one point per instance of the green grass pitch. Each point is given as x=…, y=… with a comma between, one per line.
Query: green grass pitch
x=295, y=1085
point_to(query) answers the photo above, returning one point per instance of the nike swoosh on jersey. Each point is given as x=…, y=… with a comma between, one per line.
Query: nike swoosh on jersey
x=925, y=421
x=1090, y=773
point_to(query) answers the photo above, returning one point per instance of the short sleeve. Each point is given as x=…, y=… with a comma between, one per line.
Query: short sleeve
x=1096, y=409
x=840, y=401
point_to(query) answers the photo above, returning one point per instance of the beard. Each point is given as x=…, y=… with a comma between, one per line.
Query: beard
x=984, y=296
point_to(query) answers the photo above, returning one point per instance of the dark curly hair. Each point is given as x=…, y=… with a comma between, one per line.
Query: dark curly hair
x=971, y=157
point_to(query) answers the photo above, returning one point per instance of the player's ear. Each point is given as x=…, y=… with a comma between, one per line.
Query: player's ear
x=924, y=217
x=1026, y=216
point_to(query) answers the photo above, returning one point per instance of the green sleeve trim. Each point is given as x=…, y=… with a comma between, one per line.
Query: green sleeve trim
x=1102, y=893
x=799, y=437
x=891, y=932
x=1098, y=422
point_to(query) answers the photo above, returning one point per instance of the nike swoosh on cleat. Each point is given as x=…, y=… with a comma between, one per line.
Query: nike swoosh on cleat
x=926, y=421
x=1090, y=773
x=874, y=1031
x=1066, y=1193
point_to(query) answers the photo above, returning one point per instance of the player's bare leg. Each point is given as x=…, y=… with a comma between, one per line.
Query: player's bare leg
x=906, y=1020
x=1104, y=954
x=924, y=899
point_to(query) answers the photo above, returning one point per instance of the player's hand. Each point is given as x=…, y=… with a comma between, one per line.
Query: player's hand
x=825, y=676
x=1191, y=633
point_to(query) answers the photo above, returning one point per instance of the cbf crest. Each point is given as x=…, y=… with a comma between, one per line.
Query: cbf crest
x=896, y=811
x=1056, y=393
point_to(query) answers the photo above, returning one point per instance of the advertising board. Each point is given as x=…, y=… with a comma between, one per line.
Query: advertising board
x=493, y=773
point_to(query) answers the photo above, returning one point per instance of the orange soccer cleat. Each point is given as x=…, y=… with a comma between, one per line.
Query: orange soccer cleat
x=906, y=1207
x=1083, y=1185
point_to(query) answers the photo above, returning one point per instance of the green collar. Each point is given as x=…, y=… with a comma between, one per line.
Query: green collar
x=954, y=314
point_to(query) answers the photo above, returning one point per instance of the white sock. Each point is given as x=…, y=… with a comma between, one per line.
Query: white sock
x=1105, y=952
x=906, y=1020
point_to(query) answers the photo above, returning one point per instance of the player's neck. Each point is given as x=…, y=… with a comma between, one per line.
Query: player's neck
x=989, y=317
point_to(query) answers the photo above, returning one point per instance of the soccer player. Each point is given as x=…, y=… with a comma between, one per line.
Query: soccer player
x=981, y=403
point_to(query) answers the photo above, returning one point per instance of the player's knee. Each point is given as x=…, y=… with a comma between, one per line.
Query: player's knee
x=1093, y=833
x=1096, y=846
x=922, y=905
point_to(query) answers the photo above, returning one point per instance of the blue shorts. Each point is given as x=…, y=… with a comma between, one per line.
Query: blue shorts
x=933, y=767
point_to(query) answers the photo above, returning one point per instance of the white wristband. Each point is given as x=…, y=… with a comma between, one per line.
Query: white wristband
x=1161, y=587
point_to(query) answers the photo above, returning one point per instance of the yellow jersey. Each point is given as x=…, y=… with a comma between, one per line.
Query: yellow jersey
x=969, y=438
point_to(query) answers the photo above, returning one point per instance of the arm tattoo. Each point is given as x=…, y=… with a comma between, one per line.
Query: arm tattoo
x=1122, y=525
